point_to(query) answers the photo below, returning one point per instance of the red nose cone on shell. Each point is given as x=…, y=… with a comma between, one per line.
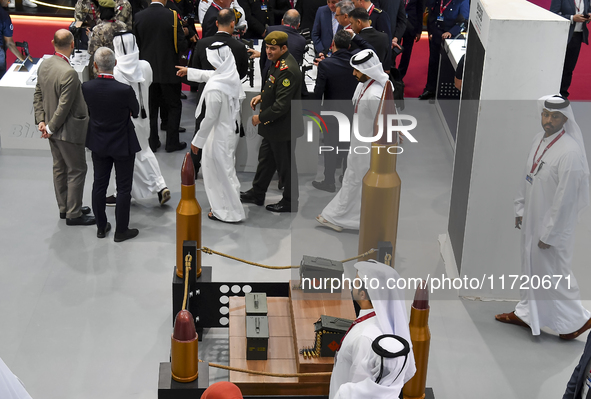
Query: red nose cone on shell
x=184, y=327
x=188, y=171
x=421, y=301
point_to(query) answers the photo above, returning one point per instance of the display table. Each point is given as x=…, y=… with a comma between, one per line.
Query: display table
x=447, y=101
x=17, y=124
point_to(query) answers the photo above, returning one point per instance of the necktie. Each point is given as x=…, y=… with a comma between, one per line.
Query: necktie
x=335, y=24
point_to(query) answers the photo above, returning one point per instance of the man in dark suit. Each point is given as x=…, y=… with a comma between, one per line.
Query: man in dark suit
x=296, y=43
x=441, y=24
x=577, y=383
x=279, y=8
x=335, y=81
x=160, y=44
x=225, y=23
x=325, y=27
x=395, y=10
x=414, y=28
x=382, y=45
x=379, y=19
x=577, y=11
x=62, y=117
x=277, y=152
x=112, y=140
x=307, y=10
x=258, y=17
x=209, y=25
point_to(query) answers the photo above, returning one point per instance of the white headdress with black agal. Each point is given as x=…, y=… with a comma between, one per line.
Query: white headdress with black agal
x=556, y=102
x=368, y=63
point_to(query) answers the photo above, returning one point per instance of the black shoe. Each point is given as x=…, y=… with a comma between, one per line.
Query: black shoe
x=183, y=96
x=181, y=129
x=154, y=145
x=163, y=195
x=85, y=211
x=176, y=147
x=101, y=233
x=324, y=186
x=126, y=235
x=281, y=207
x=83, y=220
x=111, y=200
x=427, y=95
x=248, y=198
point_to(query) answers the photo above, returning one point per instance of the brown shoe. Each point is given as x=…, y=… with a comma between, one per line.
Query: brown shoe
x=510, y=318
x=575, y=334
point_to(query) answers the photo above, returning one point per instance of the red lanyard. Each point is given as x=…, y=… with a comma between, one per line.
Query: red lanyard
x=406, y=4
x=535, y=165
x=371, y=9
x=93, y=12
x=357, y=105
x=577, y=5
x=63, y=57
x=442, y=7
x=100, y=75
x=357, y=321
x=216, y=6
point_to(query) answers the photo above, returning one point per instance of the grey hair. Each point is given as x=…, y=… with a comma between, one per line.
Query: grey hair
x=346, y=6
x=105, y=59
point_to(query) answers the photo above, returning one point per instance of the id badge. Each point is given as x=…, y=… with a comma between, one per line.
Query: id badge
x=440, y=18
x=263, y=7
x=529, y=179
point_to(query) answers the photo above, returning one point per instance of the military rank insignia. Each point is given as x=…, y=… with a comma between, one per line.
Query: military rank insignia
x=283, y=66
x=286, y=82
x=272, y=79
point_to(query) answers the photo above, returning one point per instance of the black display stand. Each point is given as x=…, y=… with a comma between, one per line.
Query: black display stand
x=204, y=297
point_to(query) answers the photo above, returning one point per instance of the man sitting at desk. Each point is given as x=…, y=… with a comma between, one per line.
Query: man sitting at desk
x=6, y=29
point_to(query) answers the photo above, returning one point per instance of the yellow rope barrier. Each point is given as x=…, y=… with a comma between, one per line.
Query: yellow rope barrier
x=188, y=260
x=210, y=251
x=239, y=370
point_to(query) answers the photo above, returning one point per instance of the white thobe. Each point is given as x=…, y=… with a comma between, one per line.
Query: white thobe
x=147, y=177
x=217, y=139
x=549, y=206
x=10, y=385
x=357, y=366
x=345, y=208
x=205, y=4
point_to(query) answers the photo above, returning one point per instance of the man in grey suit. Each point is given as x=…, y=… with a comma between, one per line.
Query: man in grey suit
x=62, y=118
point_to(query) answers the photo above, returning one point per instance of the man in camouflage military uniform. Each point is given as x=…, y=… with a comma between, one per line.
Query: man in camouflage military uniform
x=124, y=13
x=274, y=120
x=102, y=34
x=87, y=12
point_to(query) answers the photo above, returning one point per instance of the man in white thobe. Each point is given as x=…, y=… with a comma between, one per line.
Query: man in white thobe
x=147, y=177
x=344, y=210
x=10, y=386
x=553, y=191
x=357, y=371
x=217, y=135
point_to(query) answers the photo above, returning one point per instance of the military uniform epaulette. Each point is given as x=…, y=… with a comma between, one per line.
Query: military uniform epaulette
x=283, y=66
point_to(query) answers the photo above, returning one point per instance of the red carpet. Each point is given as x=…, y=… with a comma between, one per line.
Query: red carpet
x=38, y=31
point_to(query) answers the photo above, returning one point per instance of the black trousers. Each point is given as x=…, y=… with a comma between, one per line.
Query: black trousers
x=434, y=55
x=407, y=42
x=123, y=178
x=570, y=61
x=167, y=95
x=332, y=160
x=280, y=157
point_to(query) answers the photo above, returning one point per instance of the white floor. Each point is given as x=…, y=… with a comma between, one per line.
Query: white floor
x=87, y=318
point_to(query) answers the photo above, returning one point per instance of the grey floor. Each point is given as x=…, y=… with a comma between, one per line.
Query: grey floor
x=88, y=318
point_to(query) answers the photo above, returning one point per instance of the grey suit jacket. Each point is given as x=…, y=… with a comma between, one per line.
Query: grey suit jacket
x=59, y=102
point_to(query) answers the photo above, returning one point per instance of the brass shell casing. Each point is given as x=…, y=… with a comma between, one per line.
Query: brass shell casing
x=380, y=193
x=420, y=335
x=188, y=227
x=380, y=201
x=184, y=359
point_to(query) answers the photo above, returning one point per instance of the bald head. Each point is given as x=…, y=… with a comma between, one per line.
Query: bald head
x=291, y=18
x=63, y=41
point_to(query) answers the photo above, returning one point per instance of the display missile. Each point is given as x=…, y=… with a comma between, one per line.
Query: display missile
x=184, y=348
x=188, y=217
x=380, y=195
x=421, y=340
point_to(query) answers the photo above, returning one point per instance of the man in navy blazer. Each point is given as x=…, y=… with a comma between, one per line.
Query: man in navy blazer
x=336, y=83
x=111, y=138
x=577, y=380
x=442, y=24
x=296, y=43
x=577, y=11
x=325, y=26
